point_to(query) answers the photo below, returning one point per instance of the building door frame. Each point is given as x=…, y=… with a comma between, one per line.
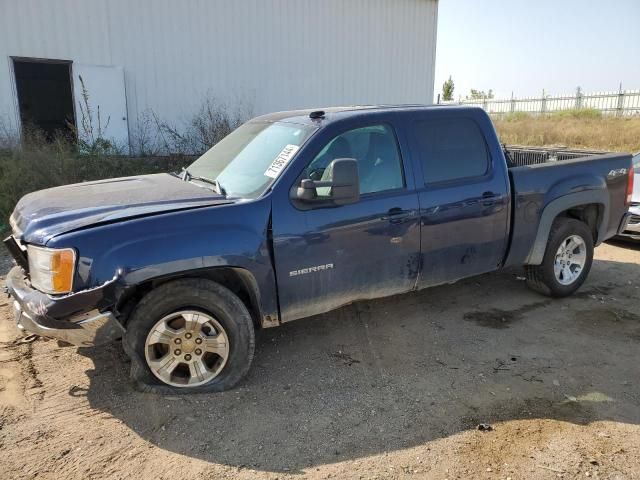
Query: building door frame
x=13, y=60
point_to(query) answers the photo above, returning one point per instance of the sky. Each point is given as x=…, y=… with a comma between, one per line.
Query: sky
x=525, y=46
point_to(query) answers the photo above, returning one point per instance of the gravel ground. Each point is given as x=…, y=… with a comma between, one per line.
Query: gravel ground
x=393, y=388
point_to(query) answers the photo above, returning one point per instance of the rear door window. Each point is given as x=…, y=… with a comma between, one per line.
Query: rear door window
x=451, y=149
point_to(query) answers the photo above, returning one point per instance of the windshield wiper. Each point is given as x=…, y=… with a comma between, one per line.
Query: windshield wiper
x=187, y=177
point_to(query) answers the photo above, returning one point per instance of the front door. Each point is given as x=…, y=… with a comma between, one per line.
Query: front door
x=326, y=257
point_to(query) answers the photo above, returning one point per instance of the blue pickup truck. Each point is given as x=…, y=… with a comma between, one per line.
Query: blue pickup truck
x=292, y=215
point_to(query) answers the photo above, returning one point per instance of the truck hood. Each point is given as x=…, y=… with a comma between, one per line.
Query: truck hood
x=41, y=215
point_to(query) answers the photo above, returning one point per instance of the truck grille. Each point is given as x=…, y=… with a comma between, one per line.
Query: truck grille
x=634, y=220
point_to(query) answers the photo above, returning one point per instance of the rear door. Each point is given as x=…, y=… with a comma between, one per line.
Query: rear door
x=326, y=257
x=463, y=194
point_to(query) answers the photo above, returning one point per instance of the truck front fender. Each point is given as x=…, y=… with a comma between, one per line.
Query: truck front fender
x=145, y=251
x=241, y=260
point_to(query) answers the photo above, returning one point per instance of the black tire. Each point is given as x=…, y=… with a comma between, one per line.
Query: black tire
x=542, y=278
x=198, y=294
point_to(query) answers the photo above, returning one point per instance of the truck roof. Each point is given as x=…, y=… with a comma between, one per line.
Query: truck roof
x=312, y=116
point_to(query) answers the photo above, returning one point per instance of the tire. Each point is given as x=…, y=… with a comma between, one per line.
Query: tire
x=543, y=278
x=197, y=302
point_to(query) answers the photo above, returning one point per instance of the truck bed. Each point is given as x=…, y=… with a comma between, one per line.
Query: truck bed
x=520, y=155
x=543, y=178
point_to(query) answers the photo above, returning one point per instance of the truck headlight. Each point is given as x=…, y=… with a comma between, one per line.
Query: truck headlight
x=51, y=269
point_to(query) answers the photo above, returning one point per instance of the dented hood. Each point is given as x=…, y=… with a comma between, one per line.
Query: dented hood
x=41, y=215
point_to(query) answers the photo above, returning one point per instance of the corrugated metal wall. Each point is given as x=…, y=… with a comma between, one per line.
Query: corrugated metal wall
x=271, y=54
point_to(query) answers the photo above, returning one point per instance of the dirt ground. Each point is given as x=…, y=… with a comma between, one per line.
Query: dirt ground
x=393, y=388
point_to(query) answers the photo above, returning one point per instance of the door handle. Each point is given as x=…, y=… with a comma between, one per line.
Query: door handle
x=398, y=215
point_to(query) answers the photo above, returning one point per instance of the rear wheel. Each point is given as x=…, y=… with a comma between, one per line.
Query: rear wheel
x=567, y=259
x=190, y=335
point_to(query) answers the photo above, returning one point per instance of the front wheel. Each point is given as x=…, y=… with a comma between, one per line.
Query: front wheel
x=190, y=335
x=567, y=259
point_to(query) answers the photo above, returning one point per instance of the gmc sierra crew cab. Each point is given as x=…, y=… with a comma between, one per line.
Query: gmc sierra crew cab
x=292, y=215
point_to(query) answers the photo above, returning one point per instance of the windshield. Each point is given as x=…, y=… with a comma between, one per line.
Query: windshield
x=246, y=161
x=636, y=161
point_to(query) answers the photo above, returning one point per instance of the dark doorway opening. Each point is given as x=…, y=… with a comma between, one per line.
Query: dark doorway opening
x=45, y=97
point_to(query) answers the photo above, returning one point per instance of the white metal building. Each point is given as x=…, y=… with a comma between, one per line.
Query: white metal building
x=168, y=56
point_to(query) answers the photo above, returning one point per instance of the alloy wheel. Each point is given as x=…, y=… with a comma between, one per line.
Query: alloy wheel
x=187, y=348
x=571, y=258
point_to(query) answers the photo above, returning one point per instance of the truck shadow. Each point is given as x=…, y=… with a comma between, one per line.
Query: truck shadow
x=625, y=243
x=394, y=373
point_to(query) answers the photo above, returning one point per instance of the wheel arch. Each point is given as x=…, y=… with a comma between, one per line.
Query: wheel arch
x=240, y=281
x=591, y=207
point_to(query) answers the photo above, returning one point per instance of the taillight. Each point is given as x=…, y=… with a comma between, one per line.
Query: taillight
x=629, y=187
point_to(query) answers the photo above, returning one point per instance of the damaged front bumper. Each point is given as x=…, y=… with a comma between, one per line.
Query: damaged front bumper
x=73, y=318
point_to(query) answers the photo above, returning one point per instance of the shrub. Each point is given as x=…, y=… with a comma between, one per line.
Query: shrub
x=213, y=121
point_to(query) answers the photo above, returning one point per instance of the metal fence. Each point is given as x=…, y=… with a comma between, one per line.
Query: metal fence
x=620, y=103
x=523, y=155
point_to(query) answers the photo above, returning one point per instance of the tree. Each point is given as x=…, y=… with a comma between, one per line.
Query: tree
x=447, y=89
x=479, y=94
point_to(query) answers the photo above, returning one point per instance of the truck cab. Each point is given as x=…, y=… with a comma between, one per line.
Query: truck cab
x=449, y=217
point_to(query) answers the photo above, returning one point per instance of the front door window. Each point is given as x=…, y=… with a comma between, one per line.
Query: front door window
x=375, y=149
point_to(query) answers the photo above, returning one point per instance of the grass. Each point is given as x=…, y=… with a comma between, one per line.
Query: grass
x=37, y=161
x=582, y=129
x=38, y=164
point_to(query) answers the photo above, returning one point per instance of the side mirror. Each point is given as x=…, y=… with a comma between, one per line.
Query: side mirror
x=340, y=181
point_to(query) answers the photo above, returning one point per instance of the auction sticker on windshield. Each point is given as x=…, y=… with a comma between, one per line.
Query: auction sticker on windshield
x=281, y=161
